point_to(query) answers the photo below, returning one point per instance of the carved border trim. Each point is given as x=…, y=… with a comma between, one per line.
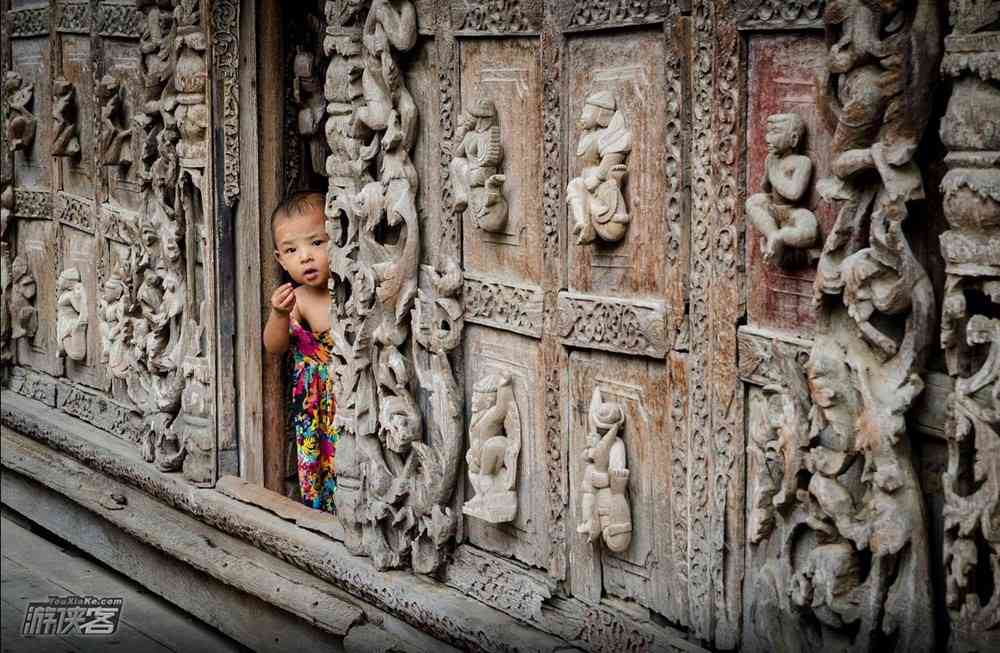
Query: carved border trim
x=779, y=14
x=36, y=204
x=226, y=55
x=74, y=17
x=622, y=326
x=508, y=306
x=589, y=15
x=31, y=21
x=482, y=17
x=115, y=19
x=450, y=229
x=74, y=211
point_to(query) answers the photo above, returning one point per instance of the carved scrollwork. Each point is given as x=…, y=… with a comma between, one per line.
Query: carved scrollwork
x=597, y=13
x=847, y=549
x=72, y=315
x=503, y=305
x=779, y=14
x=613, y=325
x=605, y=511
x=20, y=127
x=115, y=19
x=30, y=21
x=497, y=16
x=596, y=199
x=65, y=131
x=494, y=445
x=476, y=177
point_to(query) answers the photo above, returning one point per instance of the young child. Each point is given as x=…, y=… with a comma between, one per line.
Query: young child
x=300, y=322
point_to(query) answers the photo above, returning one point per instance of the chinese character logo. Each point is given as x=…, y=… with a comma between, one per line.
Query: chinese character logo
x=72, y=615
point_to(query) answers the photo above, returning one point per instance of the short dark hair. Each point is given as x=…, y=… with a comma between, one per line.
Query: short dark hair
x=297, y=203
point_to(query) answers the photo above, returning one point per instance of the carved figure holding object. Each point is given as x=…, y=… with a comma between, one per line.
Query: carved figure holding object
x=495, y=442
x=20, y=127
x=778, y=212
x=595, y=198
x=65, y=142
x=475, y=165
x=72, y=315
x=606, y=512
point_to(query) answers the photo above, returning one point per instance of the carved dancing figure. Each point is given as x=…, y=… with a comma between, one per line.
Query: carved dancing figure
x=495, y=442
x=778, y=212
x=20, y=127
x=475, y=164
x=115, y=142
x=65, y=142
x=72, y=315
x=606, y=512
x=595, y=197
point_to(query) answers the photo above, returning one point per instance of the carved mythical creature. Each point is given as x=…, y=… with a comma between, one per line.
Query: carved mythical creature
x=20, y=127
x=115, y=146
x=595, y=197
x=605, y=511
x=72, y=314
x=494, y=445
x=475, y=164
x=777, y=212
x=65, y=141
x=23, y=316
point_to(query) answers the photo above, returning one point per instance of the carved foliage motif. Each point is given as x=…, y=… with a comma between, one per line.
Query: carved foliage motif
x=31, y=21
x=848, y=545
x=494, y=445
x=119, y=20
x=394, y=329
x=612, y=325
x=74, y=17
x=502, y=305
x=494, y=16
x=772, y=14
x=595, y=198
x=20, y=127
x=605, y=511
x=476, y=173
x=970, y=326
x=225, y=50
x=32, y=204
x=593, y=13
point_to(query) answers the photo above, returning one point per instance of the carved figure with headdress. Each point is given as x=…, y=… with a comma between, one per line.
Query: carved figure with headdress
x=494, y=445
x=606, y=513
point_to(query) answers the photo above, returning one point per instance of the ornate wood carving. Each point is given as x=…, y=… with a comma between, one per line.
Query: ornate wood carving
x=75, y=212
x=65, y=132
x=494, y=445
x=629, y=327
x=226, y=55
x=74, y=17
x=848, y=546
x=30, y=21
x=476, y=173
x=394, y=507
x=121, y=20
x=23, y=289
x=606, y=513
x=115, y=141
x=507, y=306
x=590, y=14
x=20, y=127
x=72, y=315
x=595, y=198
x=779, y=14
x=497, y=16
x=32, y=204
x=970, y=325
x=777, y=212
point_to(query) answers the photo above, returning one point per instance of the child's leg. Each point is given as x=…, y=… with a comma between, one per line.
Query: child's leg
x=328, y=470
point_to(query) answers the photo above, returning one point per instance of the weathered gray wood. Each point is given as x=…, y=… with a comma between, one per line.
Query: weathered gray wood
x=288, y=509
x=244, y=618
x=229, y=560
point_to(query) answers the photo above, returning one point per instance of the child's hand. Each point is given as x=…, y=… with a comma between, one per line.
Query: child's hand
x=283, y=299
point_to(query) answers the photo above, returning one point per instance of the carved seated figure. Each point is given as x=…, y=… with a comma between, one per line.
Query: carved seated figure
x=474, y=168
x=606, y=510
x=777, y=212
x=71, y=312
x=495, y=441
x=595, y=197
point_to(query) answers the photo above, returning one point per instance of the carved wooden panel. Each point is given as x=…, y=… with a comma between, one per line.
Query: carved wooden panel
x=37, y=245
x=120, y=144
x=495, y=352
x=507, y=73
x=74, y=141
x=782, y=78
x=31, y=61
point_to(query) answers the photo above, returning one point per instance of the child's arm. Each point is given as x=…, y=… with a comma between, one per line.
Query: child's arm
x=276, y=329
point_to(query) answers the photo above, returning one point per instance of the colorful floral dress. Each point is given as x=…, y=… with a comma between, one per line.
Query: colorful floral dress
x=312, y=411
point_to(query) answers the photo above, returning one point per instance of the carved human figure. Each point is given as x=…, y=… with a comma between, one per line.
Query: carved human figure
x=72, y=314
x=777, y=212
x=595, y=198
x=494, y=445
x=191, y=113
x=155, y=40
x=23, y=316
x=20, y=127
x=114, y=148
x=113, y=309
x=605, y=510
x=307, y=91
x=65, y=140
x=475, y=164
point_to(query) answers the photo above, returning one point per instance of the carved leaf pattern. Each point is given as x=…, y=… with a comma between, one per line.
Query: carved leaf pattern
x=508, y=305
x=494, y=16
x=74, y=17
x=225, y=34
x=29, y=22
x=611, y=324
x=587, y=13
x=780, y=13
x=119, y=20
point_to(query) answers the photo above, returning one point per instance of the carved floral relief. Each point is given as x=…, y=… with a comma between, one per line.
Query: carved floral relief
x=595, y=198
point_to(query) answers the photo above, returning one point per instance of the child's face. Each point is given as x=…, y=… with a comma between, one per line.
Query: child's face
x=301, y=243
